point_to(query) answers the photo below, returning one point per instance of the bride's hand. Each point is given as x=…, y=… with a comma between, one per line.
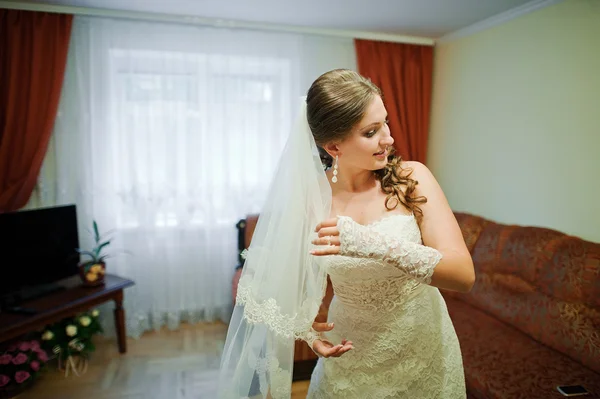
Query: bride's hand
x=325, y=348
x=329, y=236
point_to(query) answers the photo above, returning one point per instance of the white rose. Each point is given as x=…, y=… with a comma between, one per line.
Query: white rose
x=47, y=335
x=71, y=330
x=85, y=321
x=95, y=313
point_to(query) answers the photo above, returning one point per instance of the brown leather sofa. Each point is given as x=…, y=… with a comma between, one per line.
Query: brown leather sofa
x=532, y=320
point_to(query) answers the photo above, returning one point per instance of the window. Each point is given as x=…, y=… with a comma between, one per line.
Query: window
x=191, y=132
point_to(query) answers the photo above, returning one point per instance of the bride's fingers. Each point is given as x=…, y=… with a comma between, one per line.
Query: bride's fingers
x=322, y=327
x=329, y=250
x=327, y=223
x=342, y=350
x=328, y=231
x=322, y=349
x=327, y=240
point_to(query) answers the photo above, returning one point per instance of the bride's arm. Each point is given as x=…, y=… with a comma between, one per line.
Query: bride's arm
x=315, y=338
x=440, y=230
x=443, y=261
x=320, y=322
x=324, y=309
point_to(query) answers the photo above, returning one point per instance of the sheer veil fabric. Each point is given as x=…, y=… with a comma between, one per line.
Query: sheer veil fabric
x=282, y=286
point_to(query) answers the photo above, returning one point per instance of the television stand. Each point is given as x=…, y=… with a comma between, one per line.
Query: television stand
x=15, y=299
x=75, y=298
x=39, y=291
x=21, y=310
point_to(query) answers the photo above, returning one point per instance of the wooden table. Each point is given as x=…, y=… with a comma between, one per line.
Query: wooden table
x=73, y=299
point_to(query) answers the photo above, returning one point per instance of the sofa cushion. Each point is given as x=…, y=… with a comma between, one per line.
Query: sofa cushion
x=541, y=281
x=471, y=227
x=503, y=362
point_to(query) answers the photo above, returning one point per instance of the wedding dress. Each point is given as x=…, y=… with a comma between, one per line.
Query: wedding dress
x=404, y=342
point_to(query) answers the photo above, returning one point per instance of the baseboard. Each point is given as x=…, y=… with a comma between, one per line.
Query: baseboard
x=303, y=369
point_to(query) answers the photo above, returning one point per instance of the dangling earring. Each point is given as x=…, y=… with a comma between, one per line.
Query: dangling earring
x=335, y=170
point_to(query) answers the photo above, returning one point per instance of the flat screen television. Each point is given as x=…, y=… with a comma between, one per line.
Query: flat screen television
x=37, y=249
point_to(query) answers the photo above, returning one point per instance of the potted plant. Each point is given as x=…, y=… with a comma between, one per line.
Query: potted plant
x=20, y=365
x=70, y=341
x=93, y=270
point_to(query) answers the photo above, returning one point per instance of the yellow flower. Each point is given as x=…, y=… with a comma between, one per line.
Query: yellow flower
x=47, y=335
x=91, y=276
x=85, y=321
x=71, y=330
x=96, y=269
x=95, y=312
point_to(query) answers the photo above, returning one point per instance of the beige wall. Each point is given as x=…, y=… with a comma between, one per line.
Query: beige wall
x=515, y=133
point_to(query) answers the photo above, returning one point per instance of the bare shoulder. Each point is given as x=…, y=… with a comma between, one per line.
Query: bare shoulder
x=439, y=227
x=421, y=174
x=417, y=170
x=427, y=186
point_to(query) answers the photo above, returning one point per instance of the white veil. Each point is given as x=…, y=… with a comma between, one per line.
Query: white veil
x=281, y=287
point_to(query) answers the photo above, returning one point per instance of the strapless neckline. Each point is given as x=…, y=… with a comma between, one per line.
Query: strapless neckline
x=382, y=219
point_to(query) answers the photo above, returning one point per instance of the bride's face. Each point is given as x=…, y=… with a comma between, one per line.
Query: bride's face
x=369, y=143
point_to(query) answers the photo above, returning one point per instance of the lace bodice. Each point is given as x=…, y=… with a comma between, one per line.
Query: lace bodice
x=368, y=283
x=404, y=341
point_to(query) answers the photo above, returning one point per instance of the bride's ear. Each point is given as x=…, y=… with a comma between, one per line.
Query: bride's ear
x=332, y=149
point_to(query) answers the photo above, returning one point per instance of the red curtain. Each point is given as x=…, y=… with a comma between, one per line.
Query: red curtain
x=33, y=54
x=404, y=72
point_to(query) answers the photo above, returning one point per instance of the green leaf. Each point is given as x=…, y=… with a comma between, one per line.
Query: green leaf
x=96, y=233
x=101, y=246
x=88, y=253
x=109, y=232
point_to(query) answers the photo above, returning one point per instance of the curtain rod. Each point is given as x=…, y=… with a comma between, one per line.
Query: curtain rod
x=212, y=22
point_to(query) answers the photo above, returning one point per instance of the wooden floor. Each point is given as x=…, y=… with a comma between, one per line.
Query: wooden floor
x=167, y=364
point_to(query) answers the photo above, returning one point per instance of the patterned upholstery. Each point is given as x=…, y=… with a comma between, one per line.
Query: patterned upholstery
x=537, y=298
x=503, y=362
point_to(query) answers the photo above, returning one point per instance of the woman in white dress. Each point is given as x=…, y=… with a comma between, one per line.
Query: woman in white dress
x=383, y=232
x=396, y=242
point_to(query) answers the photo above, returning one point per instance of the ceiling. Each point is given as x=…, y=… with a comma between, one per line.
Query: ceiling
x=428, y=18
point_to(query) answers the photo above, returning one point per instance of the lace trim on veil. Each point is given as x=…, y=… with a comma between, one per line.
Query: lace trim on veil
x=271, y=377
x=269, y=313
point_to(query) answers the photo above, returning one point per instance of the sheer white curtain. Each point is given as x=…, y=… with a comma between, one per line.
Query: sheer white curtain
x=168, y=135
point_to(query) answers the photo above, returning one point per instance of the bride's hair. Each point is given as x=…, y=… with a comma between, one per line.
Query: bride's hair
x=335, y=103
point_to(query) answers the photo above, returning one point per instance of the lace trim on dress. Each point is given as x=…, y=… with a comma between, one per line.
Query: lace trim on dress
x=416, y=260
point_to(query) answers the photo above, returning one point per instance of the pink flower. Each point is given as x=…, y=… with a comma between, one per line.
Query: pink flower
x=5, y=359
x=35, y=365
x=21, y=376
x=20, y=358
x=4, y=380
x=42, y=355
x=24, y=346
x=35, y=345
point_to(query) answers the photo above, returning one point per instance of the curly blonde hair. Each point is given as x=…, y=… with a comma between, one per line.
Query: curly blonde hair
x=335, y=103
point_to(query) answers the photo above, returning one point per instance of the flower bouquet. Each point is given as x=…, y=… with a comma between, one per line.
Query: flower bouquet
x=20, y=364
x=70, y=341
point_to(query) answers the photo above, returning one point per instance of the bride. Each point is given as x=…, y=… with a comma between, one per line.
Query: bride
x=342, y=205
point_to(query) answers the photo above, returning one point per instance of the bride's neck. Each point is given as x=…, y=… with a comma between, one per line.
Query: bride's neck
x=353, y=181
